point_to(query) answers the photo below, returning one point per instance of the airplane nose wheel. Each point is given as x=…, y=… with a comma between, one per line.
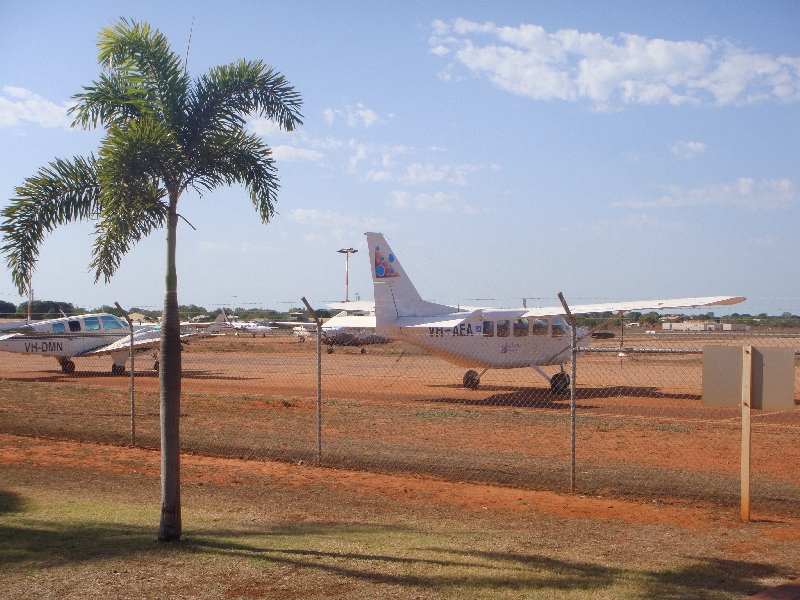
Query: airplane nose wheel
x=155, y=366
x=68, y=367
x=559, y=383
x=117, y=369
x=471, y=380
x=363, y=351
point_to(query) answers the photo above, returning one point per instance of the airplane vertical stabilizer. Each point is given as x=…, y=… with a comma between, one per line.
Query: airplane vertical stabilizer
x=395, y=295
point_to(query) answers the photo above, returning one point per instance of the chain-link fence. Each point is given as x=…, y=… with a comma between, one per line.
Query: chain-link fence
x=641, y=430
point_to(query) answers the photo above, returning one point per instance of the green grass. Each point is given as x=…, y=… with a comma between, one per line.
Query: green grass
x=102, y=547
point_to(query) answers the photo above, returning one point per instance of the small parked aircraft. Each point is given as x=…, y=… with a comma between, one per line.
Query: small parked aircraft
x=84, y=335
x=489, y=338
x=250, y=327
x=353, y=326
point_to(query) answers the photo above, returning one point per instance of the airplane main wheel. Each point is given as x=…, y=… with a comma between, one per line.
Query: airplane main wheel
x=301, y=339
x=155, y=366
x=471, y=380
x=117, y=369
x=68, y=367
x=363, y=351
x=559, y=383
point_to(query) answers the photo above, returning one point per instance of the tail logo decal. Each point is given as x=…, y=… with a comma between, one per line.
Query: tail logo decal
x=383, y=264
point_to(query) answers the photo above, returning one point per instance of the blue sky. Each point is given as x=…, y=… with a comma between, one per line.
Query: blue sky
x=507, y=150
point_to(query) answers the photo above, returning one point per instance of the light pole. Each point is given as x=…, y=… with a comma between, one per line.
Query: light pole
x=347, y=252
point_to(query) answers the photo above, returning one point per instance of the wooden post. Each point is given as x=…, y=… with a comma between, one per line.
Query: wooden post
x=747, y=381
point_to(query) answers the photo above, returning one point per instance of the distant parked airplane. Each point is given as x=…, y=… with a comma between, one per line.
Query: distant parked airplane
x=250, y=327
x=353, y=326
x=489, y=338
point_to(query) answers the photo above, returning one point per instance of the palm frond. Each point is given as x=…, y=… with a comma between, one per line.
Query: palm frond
x=136, y=151
x=224, y=97
x=124, y=221
x=62, y=192
x=112, y=99
x=239, y=158
x=142, y=56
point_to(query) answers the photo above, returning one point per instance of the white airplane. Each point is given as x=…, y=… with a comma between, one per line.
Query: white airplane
x=353, y=326
x=250, y=327
x=489, y=338
x=84, y=335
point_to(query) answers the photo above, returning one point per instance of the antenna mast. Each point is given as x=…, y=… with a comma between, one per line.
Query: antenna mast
x=188, y=44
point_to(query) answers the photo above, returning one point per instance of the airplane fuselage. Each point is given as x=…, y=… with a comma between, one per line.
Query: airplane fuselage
x=498, y=339
x=65, y=337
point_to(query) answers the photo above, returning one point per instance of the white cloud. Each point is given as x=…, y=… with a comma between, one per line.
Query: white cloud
x=270, y=129
x=243, y=248
x=768, y=241
x=571, y=65
x=418, y=173
x=640, y=222
x=687, y=149
x=292, y=154
x=354, y=115
x=744, y=192
x=336, y=220
x=28, y=106
x=437, y=202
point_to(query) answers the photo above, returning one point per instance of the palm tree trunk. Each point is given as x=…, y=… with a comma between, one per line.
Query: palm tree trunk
x=170, y=386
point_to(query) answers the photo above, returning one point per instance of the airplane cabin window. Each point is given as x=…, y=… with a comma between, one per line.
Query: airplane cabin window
x=488, y=329
x=91, y=323
x=540, y=327
x=559, y=328
x=74, y=325
x=110, y=322
x=58, y=328
x=520, y=328
x=503, y=328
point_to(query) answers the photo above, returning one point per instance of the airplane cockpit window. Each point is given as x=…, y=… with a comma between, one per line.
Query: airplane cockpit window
x=58, y=328
x=110, y=322
x=540, y=327
x=520, y=327
x=503, y=328
x=488, y=329
x=91, y=323
x=74, y=326
x=559, y=327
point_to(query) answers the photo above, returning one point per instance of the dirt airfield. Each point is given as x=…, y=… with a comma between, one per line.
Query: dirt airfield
x=407, y=502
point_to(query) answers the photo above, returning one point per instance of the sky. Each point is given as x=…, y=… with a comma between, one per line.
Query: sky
x=507, y=150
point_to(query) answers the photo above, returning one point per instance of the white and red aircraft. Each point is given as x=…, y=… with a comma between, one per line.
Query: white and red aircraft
x=489, y=338
x=84, y=335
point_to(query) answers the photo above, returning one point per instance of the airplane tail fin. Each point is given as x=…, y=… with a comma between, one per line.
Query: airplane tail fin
x=395, y=295
x=221, y=317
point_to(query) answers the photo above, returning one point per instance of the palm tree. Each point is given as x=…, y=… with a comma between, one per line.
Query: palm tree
x=164, y=133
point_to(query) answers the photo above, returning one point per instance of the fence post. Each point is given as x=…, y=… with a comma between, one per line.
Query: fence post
x=319, y=379
x=747, y=397
x=574, y=372
x=133, y=404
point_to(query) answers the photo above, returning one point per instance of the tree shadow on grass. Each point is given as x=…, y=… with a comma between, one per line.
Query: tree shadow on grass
x=31, y=545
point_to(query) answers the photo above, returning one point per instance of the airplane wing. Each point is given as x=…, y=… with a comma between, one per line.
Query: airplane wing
x=350, y=321
x=638, y=305
x=142, y=340
x=361, y=305
x=311, y=326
